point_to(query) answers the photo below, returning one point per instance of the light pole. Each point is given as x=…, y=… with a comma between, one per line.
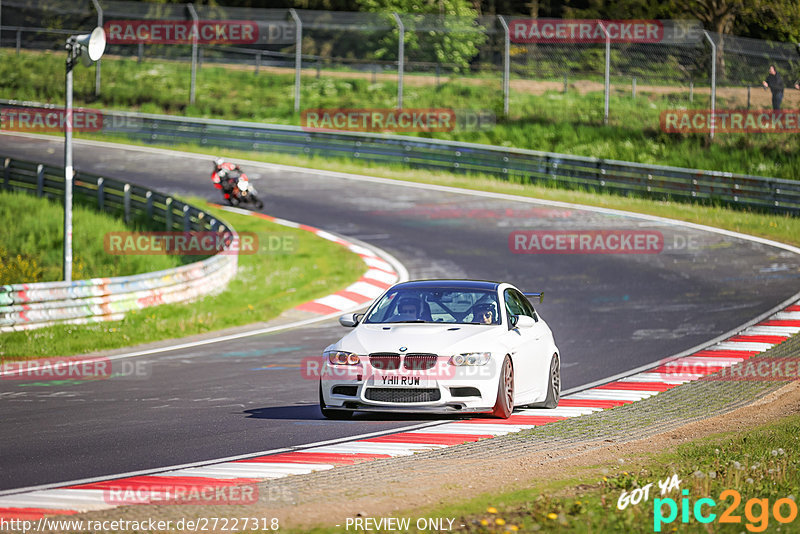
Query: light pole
x=91, y=46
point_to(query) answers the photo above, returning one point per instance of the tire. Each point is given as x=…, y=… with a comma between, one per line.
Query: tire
x=553, y=384
x=504, y=404
x=332, y=414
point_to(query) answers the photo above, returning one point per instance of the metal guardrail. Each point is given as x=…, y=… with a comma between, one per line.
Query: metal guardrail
x=528, y=166
x=26, y=306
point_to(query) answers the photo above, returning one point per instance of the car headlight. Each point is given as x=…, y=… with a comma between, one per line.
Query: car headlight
x=471, y=358
x=341, y=357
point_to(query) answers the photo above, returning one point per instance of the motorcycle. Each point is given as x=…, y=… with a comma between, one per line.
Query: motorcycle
x=240, y=191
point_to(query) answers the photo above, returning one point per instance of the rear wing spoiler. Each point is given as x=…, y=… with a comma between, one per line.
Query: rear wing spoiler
x=539, y=294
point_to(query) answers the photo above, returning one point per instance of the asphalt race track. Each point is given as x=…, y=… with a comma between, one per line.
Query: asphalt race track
x=610, y=313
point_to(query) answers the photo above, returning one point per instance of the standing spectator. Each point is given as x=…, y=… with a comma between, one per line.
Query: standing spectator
x=775, y=84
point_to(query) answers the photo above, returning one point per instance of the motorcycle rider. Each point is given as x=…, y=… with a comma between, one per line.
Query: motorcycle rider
x=224, y=176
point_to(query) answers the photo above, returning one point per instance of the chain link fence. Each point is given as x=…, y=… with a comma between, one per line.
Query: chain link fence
x=603, y=75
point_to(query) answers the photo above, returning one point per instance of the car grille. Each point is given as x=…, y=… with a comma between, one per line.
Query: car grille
x=403, y=394
x=419, y=362
x=385, y=361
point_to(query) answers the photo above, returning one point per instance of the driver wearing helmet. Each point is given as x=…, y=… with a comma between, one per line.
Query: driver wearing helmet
x=408, y=309
x=483, y=314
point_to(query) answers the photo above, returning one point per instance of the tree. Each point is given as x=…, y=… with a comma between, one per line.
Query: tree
x=451, y=35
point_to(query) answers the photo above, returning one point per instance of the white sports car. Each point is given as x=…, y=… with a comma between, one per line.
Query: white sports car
x=442, y=346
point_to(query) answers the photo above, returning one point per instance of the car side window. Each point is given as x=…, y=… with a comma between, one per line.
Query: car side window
x=526, y=304
x=517, y=304
x=513, y=306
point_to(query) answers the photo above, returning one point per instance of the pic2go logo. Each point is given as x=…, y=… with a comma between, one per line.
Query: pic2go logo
x=756, y=511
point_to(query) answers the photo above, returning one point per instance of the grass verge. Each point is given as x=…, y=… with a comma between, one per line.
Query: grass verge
x=266, y=284
x=539, y=119
x=760, y=464
x=31, y=248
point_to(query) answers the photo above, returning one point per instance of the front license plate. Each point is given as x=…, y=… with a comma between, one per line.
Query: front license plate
x=402, y=381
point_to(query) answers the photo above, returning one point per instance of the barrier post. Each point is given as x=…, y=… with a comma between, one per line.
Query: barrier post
x=168, y=213
x=39, y=180
x=101, y=200
x=126, y=201
x=187, y=220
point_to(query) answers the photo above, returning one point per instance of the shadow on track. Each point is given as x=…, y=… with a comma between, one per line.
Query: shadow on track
x=310, y=412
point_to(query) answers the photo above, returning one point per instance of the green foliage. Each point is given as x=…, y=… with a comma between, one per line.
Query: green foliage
x=271, y=280
x=18, y=268
x=552, y=121
x=31, y=248
x=456, y=39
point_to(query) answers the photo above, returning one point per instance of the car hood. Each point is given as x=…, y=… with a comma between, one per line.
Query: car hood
x=442, y=339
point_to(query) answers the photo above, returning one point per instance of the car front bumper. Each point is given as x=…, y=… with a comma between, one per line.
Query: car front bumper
x=464, y=390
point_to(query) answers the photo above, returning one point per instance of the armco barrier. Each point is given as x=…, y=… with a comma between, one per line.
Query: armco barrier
x=651, y=181
x=26, y=306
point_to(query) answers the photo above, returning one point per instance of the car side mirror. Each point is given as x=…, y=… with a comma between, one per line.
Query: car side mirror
x=350, y=319
x=524, y=321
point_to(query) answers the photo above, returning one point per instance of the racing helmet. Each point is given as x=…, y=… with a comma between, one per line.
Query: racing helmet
x=479, y=309
x=409, y=301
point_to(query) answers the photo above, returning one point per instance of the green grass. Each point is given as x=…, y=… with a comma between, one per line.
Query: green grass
x=571, y=123
x=267, y=283
x=31, y=247
x=759, y=463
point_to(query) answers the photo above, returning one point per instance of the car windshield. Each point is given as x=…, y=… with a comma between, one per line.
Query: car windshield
x=436, y=305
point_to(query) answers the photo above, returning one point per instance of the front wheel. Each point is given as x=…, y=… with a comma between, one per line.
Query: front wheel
x=554, y=384
x=504, y=404
x=332, y=414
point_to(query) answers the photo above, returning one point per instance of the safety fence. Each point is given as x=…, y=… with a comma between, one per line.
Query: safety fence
x=678, y=64
x=27, y=306
x=526, y=166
